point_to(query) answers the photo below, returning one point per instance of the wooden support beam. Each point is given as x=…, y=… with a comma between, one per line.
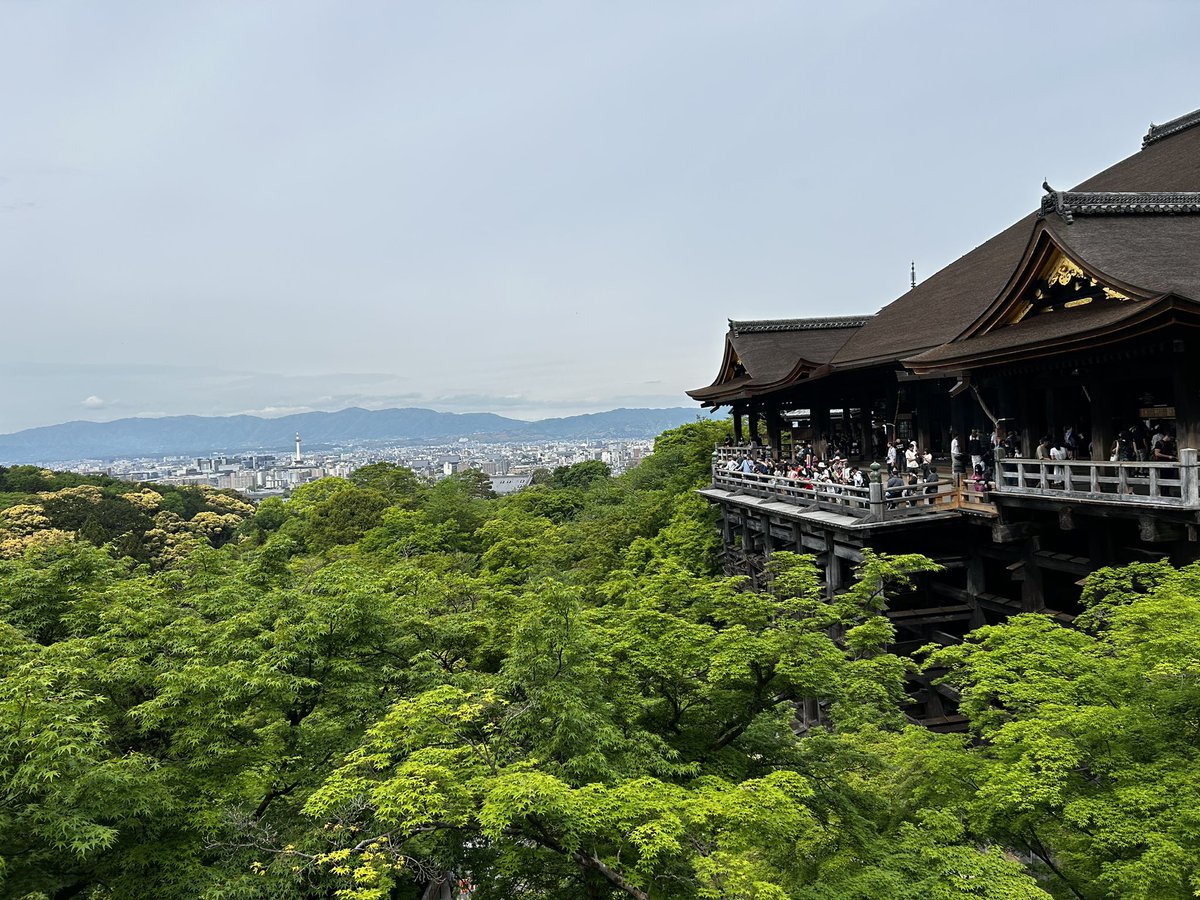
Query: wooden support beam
x=1066, y=518
x=851, y=554
x=999, y=604
x=944, y=638
x=909, y=618
x=1064, y=562
x=814, y=542
x=1153, y=530
x=1033, y=597
x=1005, y=533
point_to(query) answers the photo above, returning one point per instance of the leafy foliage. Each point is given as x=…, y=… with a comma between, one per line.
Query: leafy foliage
x=383, y=685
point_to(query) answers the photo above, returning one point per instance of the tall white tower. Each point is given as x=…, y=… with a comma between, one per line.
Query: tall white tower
x=296, y=458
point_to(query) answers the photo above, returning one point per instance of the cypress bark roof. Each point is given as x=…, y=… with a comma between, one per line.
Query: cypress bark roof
x=766, y=354
x=941, y=308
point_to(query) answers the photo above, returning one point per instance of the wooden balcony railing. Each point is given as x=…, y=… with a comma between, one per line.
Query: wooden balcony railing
x=1128, y=483
x=872, y=503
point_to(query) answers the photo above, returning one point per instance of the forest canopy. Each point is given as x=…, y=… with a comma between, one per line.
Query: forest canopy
x=383, y=688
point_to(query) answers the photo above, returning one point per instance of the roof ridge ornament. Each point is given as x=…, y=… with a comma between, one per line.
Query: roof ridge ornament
x=1158, y=132
x=1053, y=202
x=750, y=326
x=1068, y=204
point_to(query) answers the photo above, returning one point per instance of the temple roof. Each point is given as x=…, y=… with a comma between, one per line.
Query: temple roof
x=766, y=354
x=941, y=308
x=1115, y=256
x=1152, y=254
x=1140, y=259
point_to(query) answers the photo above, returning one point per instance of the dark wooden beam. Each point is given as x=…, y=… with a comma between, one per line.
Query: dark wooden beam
x=1153, y=530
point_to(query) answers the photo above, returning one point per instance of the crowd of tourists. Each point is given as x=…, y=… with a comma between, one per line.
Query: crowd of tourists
x=909, y=473
x=911, y=476
x=807, y=470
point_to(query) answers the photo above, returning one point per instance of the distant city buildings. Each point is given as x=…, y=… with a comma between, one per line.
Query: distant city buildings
x=510, y=466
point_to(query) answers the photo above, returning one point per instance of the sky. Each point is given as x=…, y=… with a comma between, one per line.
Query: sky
x=534, y=209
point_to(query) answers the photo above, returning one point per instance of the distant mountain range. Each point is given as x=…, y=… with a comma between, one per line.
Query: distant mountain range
x=203, y=435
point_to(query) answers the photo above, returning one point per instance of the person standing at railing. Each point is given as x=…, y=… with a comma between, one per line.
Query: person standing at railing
x=1060, y=472
x=1126, y=448
x=747, y=466
x=894, y=485
x=1164, y=449
x=931, y=485
x=975, y=449
x=1069, y=442
x=978, y=481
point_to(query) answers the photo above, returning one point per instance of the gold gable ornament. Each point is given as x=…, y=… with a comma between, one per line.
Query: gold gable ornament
x=1061, y=285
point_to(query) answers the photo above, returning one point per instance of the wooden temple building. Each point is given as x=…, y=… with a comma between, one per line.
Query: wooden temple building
x=1085, y=314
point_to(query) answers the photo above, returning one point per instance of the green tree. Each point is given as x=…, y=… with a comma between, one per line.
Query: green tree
x=1089, y=747
x=581, y=475
x=397, y=483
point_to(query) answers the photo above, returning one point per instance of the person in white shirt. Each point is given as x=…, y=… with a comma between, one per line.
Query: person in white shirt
x=1060, y=473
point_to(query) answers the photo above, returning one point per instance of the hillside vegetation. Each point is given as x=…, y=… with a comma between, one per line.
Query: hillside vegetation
x=383, y=686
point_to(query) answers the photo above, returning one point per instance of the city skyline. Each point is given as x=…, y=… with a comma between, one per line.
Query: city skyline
x=532, y=210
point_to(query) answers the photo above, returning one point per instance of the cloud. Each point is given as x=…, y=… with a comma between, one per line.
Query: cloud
x=94, y=402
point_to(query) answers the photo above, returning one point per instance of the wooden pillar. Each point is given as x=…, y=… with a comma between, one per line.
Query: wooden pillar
x=737, y=424
x=1100, y=547
x=834, y=580
x=959, y=419
x=1027, y=428
x=975, y=587
x=862, y=432
x=1033, y=595
x=921, y=409
x=773, y=437
x=1049, y=422
x=753, y=436
x=820, y=419
x=1101, y=412
x=1187, y=397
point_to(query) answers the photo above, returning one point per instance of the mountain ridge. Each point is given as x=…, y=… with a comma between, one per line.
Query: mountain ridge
x=191, y=434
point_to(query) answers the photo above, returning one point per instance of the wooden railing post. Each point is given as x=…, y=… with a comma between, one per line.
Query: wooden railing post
x=875, y=498
x=1189, y=485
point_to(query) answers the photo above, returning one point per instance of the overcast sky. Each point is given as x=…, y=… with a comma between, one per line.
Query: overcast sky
x=528, y=208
